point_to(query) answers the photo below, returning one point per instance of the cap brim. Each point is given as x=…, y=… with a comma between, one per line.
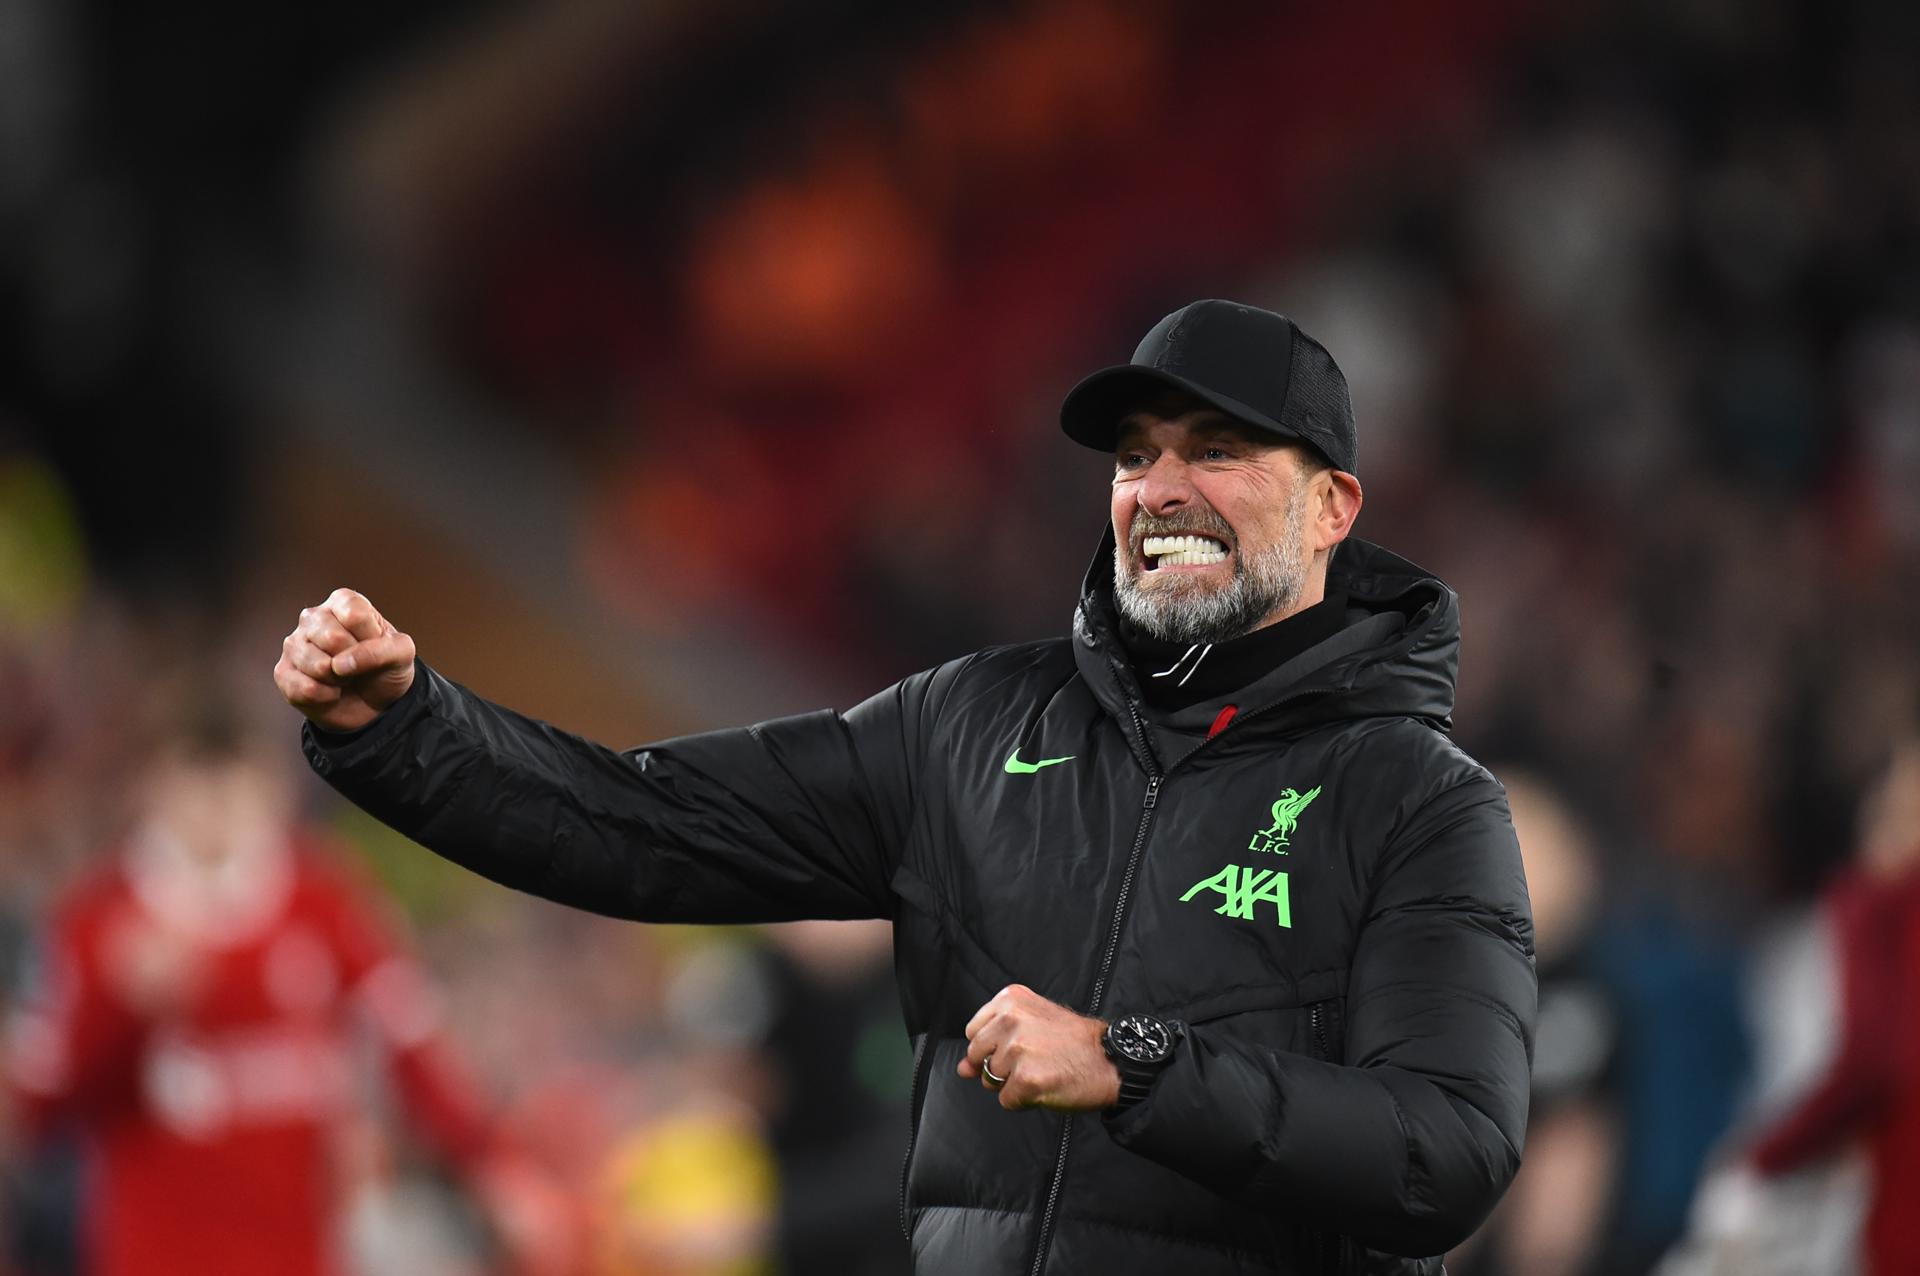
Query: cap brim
x=1092, y=411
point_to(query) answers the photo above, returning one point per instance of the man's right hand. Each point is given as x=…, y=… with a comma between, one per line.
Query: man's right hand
x=343, y=664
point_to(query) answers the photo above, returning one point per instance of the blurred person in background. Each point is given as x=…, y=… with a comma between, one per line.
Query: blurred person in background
x=1870, y=1093
x=843, y=1072
x=1334, y=897
x=197, y=1018
x=692, y=1192
x=1825, y=1181
x=1552, y=1221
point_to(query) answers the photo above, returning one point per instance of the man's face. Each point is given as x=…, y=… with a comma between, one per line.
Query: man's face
x=1210, y=525
x=217, y=811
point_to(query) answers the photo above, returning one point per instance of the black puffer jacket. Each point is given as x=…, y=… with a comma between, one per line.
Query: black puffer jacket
x=1328, y=892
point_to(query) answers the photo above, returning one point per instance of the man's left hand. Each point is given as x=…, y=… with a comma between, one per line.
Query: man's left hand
x=1045, y=1055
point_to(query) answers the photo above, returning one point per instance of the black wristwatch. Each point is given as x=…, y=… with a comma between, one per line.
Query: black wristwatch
x=1140, y=1047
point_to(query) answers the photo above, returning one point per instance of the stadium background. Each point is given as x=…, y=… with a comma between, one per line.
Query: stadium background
x=672, y=365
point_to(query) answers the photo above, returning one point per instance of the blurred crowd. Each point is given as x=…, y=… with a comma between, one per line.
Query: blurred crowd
x=1629, y=297
x=250, y=1031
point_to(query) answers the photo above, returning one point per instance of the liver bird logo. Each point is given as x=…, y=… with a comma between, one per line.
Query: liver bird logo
x=1286, y=812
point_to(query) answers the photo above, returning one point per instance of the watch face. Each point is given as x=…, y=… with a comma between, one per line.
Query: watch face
x=1141, y=1038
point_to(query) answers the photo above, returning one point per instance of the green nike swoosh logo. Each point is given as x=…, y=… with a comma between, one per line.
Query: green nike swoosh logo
x=1016, y=767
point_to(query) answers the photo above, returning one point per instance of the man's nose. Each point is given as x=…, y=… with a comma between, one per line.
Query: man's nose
x=1167, y=486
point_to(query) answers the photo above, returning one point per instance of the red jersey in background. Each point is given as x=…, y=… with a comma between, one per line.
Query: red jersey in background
x=206, y=1044
x=1871, y=1089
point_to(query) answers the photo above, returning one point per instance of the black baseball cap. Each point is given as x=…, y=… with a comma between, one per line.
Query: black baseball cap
x=1254, y=365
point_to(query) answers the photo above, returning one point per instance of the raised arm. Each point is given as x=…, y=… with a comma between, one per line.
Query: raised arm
x=798, y=817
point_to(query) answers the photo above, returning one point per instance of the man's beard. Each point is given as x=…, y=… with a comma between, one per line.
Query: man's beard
x=1270, y=579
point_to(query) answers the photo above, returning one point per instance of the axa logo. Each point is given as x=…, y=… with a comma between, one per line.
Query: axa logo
x=1242, y=889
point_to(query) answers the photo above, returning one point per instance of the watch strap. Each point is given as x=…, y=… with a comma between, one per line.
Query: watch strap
x=1136, y=1083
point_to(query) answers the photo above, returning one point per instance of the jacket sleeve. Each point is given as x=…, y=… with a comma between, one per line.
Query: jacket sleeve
x=799, y=817
x=1407, y=1144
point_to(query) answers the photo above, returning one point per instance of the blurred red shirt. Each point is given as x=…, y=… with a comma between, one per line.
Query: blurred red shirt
x=209, y=1118
x=1871, y=1089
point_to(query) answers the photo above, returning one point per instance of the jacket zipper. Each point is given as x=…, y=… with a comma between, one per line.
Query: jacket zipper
x=913, y=1128
x=1154, y=778
x=1045, y=1238
x=1321, y=1050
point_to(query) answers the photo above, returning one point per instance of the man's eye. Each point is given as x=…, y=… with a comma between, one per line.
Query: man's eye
x=1130, y=461
x=1214, y=454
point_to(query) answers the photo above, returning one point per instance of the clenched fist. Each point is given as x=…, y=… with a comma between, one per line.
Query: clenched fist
x=344, y=663
x=1039, y=1054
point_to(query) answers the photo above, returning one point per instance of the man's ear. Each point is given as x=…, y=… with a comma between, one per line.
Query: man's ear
x=1338, y=504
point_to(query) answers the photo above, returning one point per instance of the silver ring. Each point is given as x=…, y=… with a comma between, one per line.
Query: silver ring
x=986, y=1070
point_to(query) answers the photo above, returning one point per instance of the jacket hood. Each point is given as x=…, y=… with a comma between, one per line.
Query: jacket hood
x=1397, y=657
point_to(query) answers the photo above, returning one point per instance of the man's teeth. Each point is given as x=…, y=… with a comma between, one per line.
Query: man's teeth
x=1183, y=551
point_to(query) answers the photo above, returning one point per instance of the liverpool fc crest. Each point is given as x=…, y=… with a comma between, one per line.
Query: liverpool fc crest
x=1286, y=815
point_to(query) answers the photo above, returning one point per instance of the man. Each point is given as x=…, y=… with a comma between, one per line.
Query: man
x=1206, y=883
x=1870, y=1091
x=205, y=1004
